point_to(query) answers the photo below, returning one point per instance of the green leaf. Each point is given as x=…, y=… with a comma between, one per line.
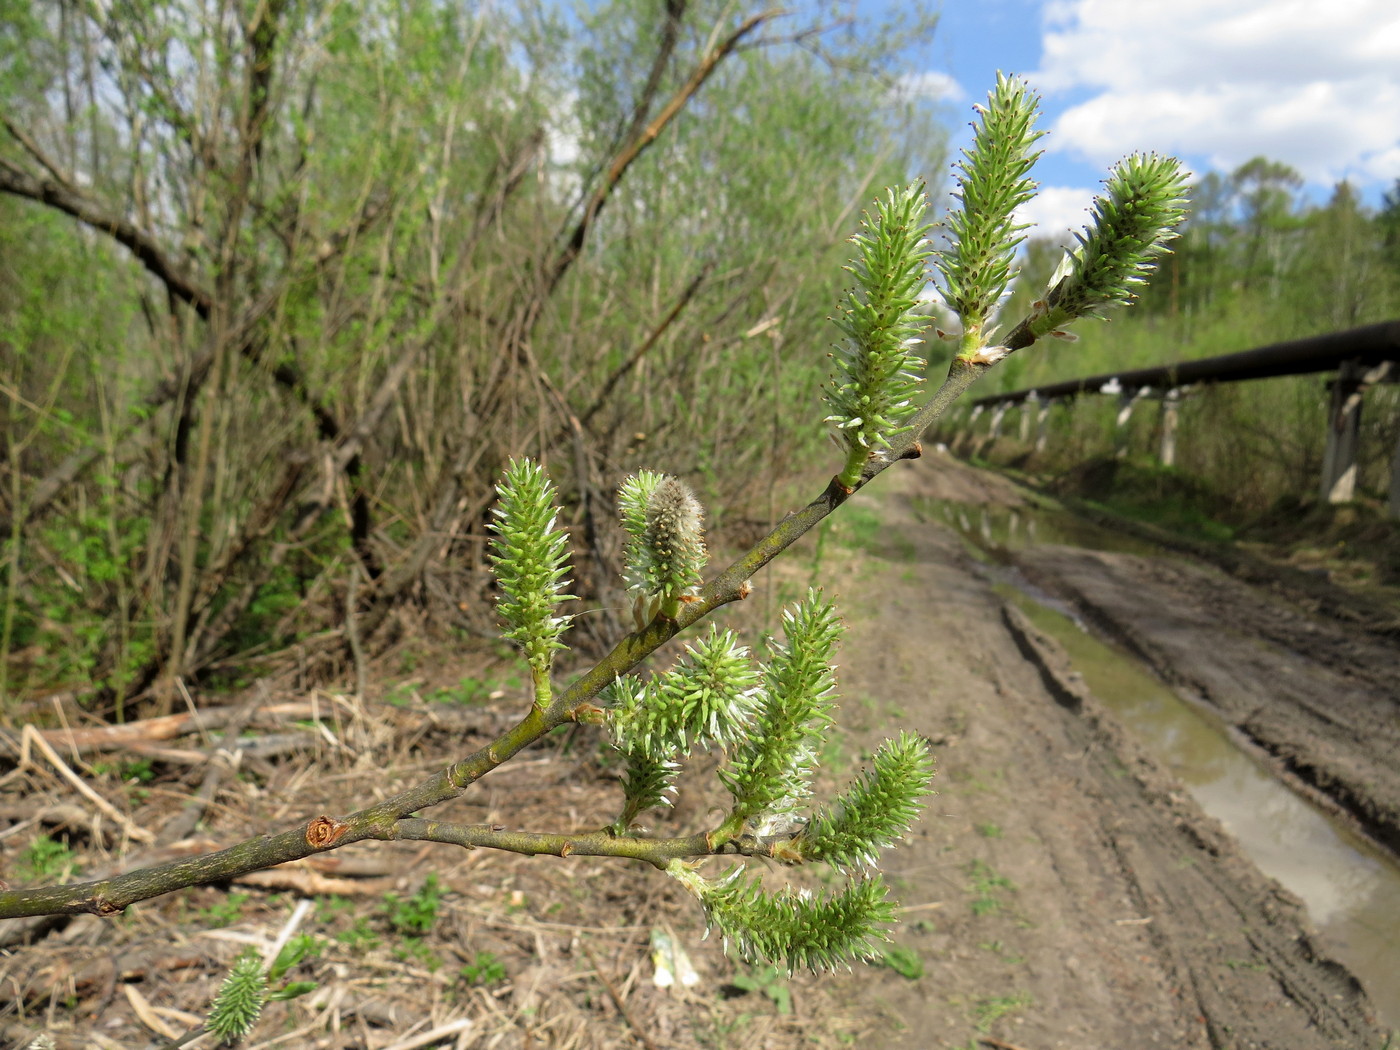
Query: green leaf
x=293, y=990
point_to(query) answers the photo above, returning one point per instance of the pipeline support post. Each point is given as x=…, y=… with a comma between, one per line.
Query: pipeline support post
x=1042, y=424
x=1344, y=429
x=1127, y=400
x=1171, y=411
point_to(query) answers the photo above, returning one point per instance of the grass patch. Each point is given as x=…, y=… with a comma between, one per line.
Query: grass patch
x=985, y=887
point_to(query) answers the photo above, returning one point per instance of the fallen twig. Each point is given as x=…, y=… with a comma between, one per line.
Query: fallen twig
x=30, y=737
x=613, y=994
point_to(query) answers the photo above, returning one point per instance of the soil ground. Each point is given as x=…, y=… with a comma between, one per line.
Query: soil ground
x=1061, y=890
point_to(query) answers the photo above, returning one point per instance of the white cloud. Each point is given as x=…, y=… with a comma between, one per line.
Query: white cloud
x=1316, y=85
x=939, y=87
x=1058, y=212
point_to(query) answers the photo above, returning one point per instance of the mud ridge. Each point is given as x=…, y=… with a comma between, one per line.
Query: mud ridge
x=1320, y=699
x=1185, y=900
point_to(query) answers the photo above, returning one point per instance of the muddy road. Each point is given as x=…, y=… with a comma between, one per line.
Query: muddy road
x=1074, y=893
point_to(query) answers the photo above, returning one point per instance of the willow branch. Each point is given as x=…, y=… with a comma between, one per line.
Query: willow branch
x=603, y=843
x=386, y=819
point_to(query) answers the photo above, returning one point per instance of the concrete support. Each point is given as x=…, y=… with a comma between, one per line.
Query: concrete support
x=998, y=414
x=1343, y=429
x=1042, y=425
x=1171, y=409
x=1126, y=401
x=965, y=439
x=1027, y=407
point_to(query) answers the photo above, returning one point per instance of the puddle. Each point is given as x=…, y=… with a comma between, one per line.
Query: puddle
x=1351, y=889
x=995, y=531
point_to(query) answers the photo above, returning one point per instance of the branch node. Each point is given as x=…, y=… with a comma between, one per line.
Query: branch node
x=324, y=832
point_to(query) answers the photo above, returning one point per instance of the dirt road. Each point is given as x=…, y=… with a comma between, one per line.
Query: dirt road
x=1083, y=900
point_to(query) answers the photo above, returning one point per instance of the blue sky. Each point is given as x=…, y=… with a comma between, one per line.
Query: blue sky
x=1313, y=83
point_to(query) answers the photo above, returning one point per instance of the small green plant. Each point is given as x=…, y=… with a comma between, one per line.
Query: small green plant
x=141, y=770
x=988, y=1011
x=903, y=960
x=225, y=911
x=484, y=969
x=988, y=830
x=985, y=886
x=46, y=859
x=328, y=909
x=414, y=916
x=769, y=981
x=998, y=948
x=416, y=950
x=360, y=937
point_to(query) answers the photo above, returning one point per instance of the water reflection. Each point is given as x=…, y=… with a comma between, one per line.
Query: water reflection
x=1351, y=890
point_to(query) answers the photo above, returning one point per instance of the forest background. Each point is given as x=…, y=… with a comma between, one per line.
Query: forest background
x=283, y=286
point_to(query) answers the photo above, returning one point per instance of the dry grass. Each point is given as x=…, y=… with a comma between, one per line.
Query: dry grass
x=556, y=952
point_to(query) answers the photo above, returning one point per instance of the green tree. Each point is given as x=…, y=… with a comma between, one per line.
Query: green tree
x=348, y=259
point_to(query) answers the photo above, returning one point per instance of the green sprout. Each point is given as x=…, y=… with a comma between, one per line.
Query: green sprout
x=240, y=999
x=1131, y=224
x=877, y=809
x=993, y=181
x=770, y=771
x=530, y=557
x=793, y=930
x=706, y=700
x=877, y=372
